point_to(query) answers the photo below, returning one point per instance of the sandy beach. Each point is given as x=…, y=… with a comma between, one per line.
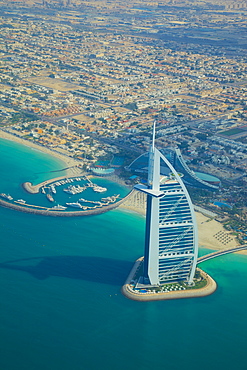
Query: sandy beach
x=68, y=161
x=211, y=233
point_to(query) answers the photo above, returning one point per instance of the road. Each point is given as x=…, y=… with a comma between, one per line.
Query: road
x=221, y=253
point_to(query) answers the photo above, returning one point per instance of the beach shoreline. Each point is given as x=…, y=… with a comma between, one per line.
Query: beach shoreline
x=212, y=234
x=67, y=161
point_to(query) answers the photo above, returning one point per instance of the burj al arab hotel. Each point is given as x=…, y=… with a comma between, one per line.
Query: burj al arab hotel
x=171, y=240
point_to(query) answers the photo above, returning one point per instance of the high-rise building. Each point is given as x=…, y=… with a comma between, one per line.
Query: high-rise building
x=171, y=242
x=193, y=179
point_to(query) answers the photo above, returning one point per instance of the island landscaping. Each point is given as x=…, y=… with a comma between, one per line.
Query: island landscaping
x=202, y=286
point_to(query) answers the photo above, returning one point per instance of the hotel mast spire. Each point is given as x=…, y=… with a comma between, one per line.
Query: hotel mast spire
x=151, y=159
x=154, y=126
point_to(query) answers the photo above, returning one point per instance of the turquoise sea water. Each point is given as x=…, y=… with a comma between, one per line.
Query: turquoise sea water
x=61, y=306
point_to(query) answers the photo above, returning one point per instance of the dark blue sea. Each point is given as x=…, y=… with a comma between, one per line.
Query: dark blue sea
x=61, y=307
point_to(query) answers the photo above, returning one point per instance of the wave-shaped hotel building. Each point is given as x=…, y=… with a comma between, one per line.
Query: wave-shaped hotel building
x=171, y=241
x=193, y=179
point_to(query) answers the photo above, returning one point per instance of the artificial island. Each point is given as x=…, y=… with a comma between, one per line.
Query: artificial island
x=168, y=268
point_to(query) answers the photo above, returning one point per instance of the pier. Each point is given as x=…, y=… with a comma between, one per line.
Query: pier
x=34, y=189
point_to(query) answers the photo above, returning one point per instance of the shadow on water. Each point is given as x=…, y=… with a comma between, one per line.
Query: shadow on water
x=95, y=269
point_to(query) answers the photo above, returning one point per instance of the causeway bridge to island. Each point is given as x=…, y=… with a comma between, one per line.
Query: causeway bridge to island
x=221, y=253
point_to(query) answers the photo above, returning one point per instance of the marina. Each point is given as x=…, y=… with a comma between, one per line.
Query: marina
x=64, y=195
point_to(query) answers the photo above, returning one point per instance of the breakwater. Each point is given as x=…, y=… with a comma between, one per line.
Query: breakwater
x=62, y=213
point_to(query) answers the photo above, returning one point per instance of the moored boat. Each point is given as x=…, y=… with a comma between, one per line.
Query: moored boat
x=6, y=196
x=99, y=189
x=22, y=201
x=74, y=205
x=58, y=207
x=49, y=197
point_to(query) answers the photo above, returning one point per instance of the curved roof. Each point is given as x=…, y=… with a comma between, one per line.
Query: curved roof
x=206, y=177
x=102, y=171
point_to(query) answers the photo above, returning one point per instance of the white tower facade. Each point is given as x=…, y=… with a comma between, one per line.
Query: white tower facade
x=171, y=241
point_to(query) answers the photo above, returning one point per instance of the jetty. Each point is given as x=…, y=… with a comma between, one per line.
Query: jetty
x=34, y=189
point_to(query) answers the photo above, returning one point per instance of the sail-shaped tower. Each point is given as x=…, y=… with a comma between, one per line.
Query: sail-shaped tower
x=171, y=241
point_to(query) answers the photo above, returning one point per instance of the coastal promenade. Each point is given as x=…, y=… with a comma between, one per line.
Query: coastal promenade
x=128, y=291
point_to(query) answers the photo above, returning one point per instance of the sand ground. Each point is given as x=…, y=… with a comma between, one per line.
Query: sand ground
x=212, y=234
x=68, y=161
